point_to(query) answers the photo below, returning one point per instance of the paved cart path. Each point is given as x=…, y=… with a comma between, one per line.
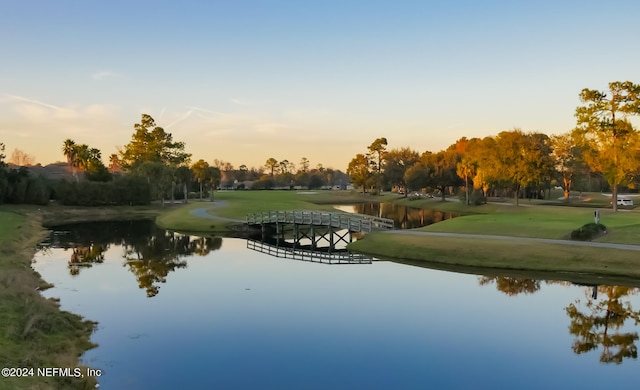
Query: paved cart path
x=202, y=212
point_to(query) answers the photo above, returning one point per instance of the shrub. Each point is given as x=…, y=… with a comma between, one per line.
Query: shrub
x=124, y=190
x=475, y=197
x=588, y=231
x=38, y=191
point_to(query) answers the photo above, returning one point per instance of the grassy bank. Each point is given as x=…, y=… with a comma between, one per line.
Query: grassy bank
x=180, y=219
x=33, y=331
x=487, y=254
x=531, y=219
x=56, y=215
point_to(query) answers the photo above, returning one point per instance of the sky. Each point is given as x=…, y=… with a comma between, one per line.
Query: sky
x=246, y=80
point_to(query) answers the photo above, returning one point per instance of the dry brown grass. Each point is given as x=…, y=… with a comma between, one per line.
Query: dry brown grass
x=34, y=332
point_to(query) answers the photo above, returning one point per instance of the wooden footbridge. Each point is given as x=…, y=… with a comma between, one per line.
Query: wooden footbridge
x=351, y=222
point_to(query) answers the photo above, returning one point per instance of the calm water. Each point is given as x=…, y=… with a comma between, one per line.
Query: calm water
x=184, y=312
x=403, y=217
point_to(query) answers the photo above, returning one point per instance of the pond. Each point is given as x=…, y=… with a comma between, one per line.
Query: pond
x=404, y=217
x=186, y=312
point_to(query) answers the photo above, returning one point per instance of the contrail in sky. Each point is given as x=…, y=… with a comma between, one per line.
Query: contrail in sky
x=33, y=101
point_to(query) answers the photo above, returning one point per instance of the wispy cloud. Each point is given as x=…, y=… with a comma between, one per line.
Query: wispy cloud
x=104, y=74
x=241, y=102
x=15, y=133
x=38, y=126
x=73, y=118
x=218, y=132
x=456, y=125
x=23, y=99
x=200, y=109
x=271, y=127
x=180, y=118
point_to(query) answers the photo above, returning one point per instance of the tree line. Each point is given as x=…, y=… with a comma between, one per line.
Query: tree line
x=285, y=174
x=18, y=186
x=153, y=163
x=152, y=166
x=602, y=152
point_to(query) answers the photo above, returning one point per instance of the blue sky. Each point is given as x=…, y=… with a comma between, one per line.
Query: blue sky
x=243, y=81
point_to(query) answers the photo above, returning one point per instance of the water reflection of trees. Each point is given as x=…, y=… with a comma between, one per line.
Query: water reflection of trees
x=602, y=323
x=151, y=253
x=511, y=286
x=594, y=324
x=153, y=257
x=404, y=217
x=85, y=256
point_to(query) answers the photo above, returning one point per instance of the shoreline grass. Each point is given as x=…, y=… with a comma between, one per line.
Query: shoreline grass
x=34, y=332
x=491, y=254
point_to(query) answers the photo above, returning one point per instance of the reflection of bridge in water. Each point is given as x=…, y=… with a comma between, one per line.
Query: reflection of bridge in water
x=288, y=250
x=313, y=236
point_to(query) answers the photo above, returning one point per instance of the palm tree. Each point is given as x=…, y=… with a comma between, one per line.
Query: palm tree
x=82, y=156
x=183, y=176
x=200, y=171
x=70, y=152
x=213, y=176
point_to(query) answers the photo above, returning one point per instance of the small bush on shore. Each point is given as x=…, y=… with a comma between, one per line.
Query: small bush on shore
x=588, y=232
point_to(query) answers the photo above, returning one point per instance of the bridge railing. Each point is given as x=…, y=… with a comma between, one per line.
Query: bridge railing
x=352, y=222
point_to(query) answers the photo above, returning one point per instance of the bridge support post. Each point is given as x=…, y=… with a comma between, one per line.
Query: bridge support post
x=331, y=243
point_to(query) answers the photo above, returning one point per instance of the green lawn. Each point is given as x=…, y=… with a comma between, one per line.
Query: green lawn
x=240, y=203
x=487, y=254
x=9, y=223
x=532, y=220
x=544, y=222
x=237, y=204
x=179, y=218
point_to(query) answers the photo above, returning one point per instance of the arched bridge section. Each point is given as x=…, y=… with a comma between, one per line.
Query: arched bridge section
x=351, y=222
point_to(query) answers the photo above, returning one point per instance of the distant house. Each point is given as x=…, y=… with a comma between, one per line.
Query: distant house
x=55, y=171
x=243, y=185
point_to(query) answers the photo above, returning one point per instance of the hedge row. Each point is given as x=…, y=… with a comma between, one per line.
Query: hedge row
x=123, y=190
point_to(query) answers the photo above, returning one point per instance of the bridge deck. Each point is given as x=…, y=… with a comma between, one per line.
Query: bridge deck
x=351, y=222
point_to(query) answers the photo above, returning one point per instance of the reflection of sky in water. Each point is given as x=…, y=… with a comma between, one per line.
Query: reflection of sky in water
x=240, y=319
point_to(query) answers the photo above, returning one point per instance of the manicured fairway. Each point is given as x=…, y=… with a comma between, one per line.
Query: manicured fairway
x=487, y=254
x=237, y=204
